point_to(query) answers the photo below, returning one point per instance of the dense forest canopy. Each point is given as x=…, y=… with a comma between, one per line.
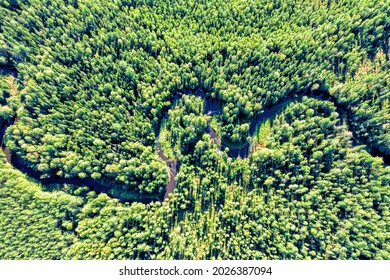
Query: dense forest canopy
x=153, y=98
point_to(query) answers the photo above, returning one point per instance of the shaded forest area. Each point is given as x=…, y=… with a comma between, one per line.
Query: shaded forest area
x=194, y=129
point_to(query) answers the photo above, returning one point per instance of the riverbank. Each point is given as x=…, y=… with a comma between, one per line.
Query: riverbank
x=211, y=107
x=270, y=112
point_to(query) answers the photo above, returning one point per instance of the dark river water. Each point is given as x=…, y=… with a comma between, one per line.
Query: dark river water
x=8, y=70
x=270, y=111
x=211, y=106
x=97, y=186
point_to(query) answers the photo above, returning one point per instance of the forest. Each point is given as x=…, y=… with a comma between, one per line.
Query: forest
x=197, y=129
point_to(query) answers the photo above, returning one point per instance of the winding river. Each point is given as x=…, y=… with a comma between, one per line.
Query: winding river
x=211, y=106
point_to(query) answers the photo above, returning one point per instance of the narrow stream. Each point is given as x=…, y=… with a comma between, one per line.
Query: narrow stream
x=272, y=110
x=211, y=107
x=8, y=70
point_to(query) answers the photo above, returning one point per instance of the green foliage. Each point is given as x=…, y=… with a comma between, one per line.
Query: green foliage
x=116, y=92
x=367, y=100
x=185, y=124
x=34, y=224
x=7, y=103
